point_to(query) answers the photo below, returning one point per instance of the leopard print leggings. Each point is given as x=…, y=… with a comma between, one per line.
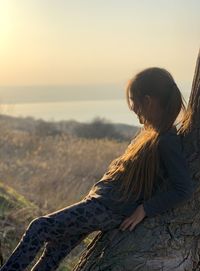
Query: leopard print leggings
x=60, y=232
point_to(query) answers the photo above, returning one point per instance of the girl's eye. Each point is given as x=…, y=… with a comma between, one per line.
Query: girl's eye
x=131, y=102
x=133, y=106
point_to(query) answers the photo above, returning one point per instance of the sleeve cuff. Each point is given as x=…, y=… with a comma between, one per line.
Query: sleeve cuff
x=148, y=211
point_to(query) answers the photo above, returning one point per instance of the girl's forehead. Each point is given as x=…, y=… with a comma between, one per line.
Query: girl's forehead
x=131, y=96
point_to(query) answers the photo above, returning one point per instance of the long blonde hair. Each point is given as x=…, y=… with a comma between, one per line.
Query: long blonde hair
x=138, y=165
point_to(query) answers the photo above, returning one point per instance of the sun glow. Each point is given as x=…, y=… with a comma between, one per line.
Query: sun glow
x=93, y=42
x=6, y=13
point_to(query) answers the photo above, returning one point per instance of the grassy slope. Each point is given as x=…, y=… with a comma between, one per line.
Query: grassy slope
x=16, y=212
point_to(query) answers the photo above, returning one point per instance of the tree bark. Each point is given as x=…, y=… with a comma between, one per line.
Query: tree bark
x=167, y=242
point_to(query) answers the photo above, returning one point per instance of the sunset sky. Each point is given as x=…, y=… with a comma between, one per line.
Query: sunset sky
x=87, y=42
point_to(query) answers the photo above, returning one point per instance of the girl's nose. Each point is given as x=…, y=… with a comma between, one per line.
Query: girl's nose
x=135, y=108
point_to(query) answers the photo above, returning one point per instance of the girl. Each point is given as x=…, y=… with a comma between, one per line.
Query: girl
x=131, y=188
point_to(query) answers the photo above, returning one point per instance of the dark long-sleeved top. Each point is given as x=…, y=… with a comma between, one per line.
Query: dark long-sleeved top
x=173, y=184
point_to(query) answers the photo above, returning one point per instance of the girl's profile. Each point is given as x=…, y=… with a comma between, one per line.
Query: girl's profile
x=148, y=179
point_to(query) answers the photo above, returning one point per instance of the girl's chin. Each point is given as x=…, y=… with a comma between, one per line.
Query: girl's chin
x=141, y=120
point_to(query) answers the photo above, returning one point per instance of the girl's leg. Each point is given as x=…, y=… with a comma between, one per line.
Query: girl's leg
x=98, y=214
x=28, y=246
x=55, y=252
x=79, y=219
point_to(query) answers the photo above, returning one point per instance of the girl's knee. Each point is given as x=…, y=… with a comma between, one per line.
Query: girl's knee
x=38, y=223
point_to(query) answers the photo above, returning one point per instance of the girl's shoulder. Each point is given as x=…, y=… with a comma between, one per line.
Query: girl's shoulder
x=170, y=140
x=169, y=133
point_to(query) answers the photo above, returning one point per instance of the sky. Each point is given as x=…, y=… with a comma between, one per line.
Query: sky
x=96, y=42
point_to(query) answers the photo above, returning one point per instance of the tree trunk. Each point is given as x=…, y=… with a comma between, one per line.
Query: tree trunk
x=166, y=242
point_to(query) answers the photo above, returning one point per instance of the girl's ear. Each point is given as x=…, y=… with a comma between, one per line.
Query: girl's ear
x=147, y=101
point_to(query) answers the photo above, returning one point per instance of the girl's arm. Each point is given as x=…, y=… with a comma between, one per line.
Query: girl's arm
x=178, y=172
x=176, y=166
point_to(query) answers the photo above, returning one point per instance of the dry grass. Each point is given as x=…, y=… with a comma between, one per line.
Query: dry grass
x=54, y=172
x=50, y=173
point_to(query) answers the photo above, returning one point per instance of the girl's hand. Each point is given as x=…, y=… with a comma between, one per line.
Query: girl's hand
x=138, y=215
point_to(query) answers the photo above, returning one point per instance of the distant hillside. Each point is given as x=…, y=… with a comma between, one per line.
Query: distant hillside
x=98, y=128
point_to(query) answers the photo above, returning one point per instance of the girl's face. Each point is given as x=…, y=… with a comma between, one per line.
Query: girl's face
x=151, y=111
x=137, y=110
